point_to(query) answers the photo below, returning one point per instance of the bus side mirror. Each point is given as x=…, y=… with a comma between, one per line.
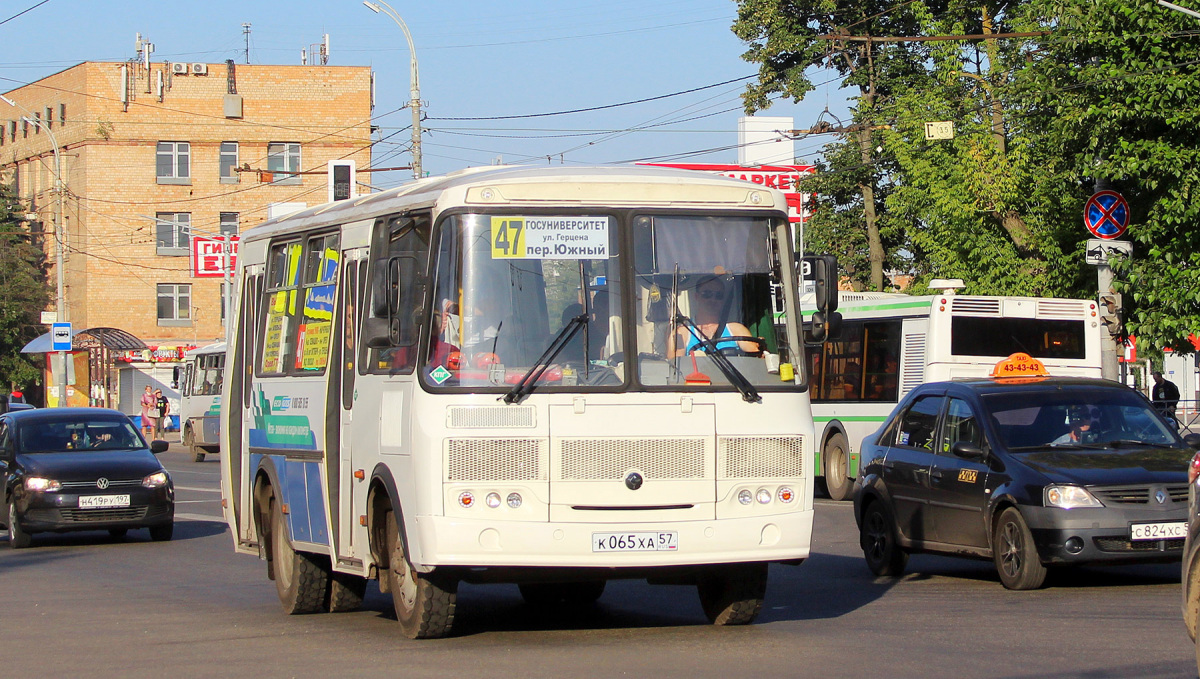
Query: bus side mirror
x=385, y=288
x=822, y=327
x=381, y=333
x=822, y=270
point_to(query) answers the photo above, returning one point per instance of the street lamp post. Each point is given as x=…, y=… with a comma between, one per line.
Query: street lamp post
x=414, y=82
x=59, y=235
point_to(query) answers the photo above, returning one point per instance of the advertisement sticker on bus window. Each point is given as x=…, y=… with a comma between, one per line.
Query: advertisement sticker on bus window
x=549, y=237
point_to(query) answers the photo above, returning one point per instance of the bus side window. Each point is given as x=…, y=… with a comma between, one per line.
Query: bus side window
x=349, y=331
x=399, y=260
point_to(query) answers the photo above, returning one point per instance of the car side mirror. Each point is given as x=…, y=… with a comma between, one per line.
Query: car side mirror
x=968, y=451
x=1192, y=441
x=157, y=447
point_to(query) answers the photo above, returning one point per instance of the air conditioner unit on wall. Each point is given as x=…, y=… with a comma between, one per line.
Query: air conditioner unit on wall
x=199, y=69
x=179, y=69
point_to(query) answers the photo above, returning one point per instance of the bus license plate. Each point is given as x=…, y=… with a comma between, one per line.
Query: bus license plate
x=101, y=501
x=1159, y=531
x=665, y=541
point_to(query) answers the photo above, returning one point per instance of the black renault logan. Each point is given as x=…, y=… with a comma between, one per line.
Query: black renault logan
x=1028, y=472
x=72, y=469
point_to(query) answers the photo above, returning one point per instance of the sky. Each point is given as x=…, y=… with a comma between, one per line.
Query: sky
x=489, y=71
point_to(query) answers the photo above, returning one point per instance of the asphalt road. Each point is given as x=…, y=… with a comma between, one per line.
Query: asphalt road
x=82, y=604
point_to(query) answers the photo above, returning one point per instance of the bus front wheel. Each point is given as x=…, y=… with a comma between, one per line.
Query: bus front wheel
x=733, y=595
x=299, y=578
x=424, y=604
x=189, y=441
x=836, y=458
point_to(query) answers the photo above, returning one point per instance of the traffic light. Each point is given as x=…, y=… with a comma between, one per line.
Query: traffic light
x=1111, y=313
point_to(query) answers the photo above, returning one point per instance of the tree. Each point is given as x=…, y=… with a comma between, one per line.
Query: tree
x=784, y=39
x=24, y=294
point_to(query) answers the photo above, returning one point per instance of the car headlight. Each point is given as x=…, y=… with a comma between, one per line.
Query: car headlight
x=1069, y=497
x=39, y=484
x=155, y=480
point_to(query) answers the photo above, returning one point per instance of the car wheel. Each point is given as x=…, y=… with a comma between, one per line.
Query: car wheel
x=1016, y=557
x=299, y=579
x=424, y=604
x=162, y=533
x=17, y=538
x=562, y=593
x=117, y=533
x=877, y=537
x=346, y=592
x=836, y=458
x=733, y=595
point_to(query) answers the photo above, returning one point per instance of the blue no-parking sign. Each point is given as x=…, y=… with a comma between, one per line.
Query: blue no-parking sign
x=1106, y=215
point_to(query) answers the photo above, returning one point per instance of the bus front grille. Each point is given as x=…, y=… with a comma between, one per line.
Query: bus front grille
x=760, y=457
x=482, y=417
x=480, y=459
x=672, y=458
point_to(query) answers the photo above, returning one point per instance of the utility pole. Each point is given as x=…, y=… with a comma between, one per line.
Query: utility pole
x=414, y=82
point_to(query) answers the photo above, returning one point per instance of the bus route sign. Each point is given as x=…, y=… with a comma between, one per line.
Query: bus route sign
x=1106, y=215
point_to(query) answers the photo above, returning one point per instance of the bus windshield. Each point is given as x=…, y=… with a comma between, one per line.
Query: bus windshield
x=707, y=285
x=507, y=288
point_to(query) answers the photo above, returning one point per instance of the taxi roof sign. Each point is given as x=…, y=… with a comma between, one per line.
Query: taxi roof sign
x=1019, y=365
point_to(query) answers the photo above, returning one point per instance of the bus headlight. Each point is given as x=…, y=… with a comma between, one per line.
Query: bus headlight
x=492, y=500
x=514, y=500
x=764, y=496
x=745, y=497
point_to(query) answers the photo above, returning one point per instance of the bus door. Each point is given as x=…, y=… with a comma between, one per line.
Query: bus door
x=354, y=274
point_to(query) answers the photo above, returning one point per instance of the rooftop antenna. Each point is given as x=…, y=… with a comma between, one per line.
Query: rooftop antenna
x=246, y=32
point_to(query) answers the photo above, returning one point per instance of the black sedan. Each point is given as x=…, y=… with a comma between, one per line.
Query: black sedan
x=1029, y=473
x=72, y=469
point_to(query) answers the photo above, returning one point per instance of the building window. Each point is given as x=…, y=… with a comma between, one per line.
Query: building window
x=12, y=130
x=284, y=157
x=229, y=162
x=171, y=233
x=229, y=223
x=37, y=119
x=49, y=117
x=174, y=304
x=3, y=130
x=62, y=113
x=174, y=162
x=24, y=128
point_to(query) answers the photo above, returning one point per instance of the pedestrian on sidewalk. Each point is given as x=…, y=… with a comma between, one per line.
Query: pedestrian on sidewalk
x=164, y=407
x=149, y=405
x=1165, y=395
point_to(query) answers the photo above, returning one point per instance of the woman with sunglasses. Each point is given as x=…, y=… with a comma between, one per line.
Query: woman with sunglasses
x=708, y=314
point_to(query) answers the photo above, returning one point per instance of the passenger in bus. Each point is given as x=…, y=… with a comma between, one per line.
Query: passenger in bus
x=597, y=329
x=442, y=350
x=709, y=309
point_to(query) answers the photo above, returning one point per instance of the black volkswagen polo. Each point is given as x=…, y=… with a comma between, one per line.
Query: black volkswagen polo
x=1029, y=472
x=71, y=469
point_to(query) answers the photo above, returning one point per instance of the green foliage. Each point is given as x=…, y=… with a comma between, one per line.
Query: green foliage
x=24, y=294
x=1109, y=94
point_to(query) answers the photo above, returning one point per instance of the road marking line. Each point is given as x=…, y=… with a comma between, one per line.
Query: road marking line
x=193, y=502
x=199, y=517
x=198, y=489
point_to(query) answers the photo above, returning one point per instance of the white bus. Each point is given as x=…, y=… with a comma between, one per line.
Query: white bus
x=472, y=378
x=200, y=399
x=890, y=343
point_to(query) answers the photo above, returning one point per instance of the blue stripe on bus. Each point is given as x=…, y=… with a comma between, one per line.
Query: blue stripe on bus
x=304, y=494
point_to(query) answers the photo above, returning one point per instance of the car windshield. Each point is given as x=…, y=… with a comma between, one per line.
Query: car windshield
x=1076, y=418
x=54, y=436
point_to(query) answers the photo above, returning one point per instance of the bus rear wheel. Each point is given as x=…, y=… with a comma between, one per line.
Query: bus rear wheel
x=836, y=458
x=346, y=592
x=299, y=578
x=733, y=595
x=189, y=441
x=424, y=603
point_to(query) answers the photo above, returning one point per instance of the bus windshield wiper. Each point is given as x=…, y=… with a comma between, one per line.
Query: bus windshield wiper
x=735, y=377
x=525, y=385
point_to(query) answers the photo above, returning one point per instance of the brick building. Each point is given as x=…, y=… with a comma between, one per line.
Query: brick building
x=155, y=156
